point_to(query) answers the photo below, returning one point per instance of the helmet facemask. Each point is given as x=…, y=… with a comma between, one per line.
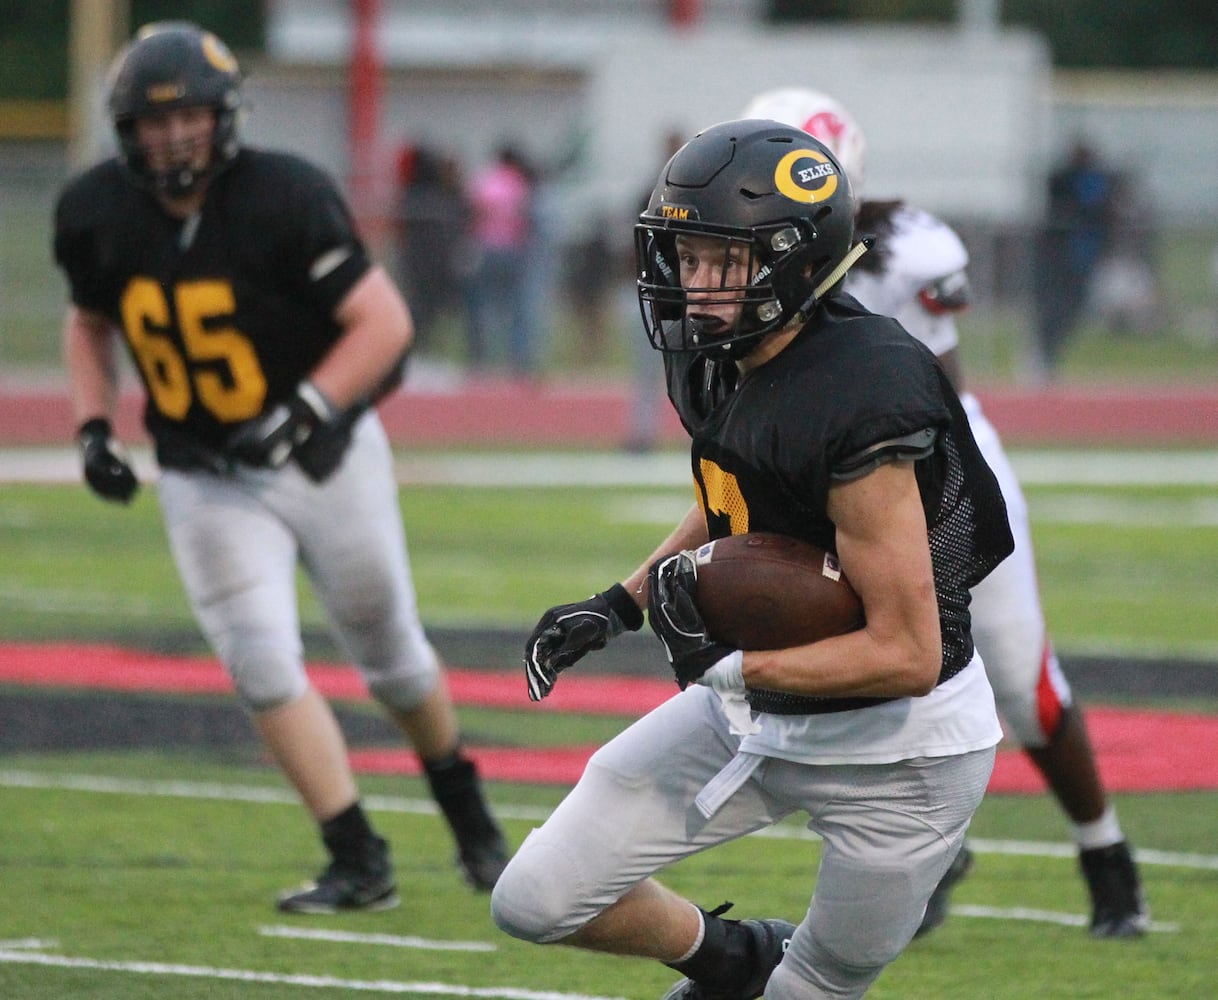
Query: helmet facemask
x=783, y=212
x=769, y=284
x=186, y=163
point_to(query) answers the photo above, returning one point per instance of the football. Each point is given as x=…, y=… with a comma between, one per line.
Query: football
x=768, y=591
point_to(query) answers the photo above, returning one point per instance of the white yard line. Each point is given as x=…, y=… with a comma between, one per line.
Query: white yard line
x=1043, y=916
x=288, y=979
x=13, y=778
x=386, y=940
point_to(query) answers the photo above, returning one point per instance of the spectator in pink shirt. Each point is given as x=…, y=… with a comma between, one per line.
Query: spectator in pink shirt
x=501, y=198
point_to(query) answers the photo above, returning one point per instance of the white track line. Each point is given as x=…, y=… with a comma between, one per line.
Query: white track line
x=384, y=803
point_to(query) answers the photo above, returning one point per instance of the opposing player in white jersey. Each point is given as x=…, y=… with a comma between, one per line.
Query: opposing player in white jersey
x=916, y=273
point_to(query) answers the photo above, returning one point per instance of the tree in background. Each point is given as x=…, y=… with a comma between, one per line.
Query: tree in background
x=34, y=37
x=1133, y=34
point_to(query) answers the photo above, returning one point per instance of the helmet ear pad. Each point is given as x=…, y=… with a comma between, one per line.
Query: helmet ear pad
x=795, y=273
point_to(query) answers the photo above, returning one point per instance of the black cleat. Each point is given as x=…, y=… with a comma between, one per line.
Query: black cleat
x=482, y=857
x=937, y=905
x=770, y=939
x=1118, y=908
x=345, y=886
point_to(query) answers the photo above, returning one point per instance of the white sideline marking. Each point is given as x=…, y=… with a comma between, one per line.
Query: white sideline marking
x=390, y=940
x=289, y=979
x=1039, y=466
x=227, y=793
x=1042, y=916
x=383, y=803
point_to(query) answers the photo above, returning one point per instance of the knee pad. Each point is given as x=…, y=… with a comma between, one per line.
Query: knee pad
x=533, y=899
x=265, y=674
x=404, y=680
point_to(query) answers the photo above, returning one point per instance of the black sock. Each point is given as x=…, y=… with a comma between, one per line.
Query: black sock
x=725, y=952
x=348, y=834
x=458, y=792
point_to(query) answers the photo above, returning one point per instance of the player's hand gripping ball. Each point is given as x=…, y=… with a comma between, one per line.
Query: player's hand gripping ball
x=768, y=591
x=673, y=614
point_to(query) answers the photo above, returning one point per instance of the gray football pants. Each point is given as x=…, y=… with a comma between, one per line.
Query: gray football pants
x=238, y=539
x=889, y=831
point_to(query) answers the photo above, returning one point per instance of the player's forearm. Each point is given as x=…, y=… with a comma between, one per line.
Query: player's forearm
x=377, y=330
x=89, y=355
x=863, y=664
x=688, y=534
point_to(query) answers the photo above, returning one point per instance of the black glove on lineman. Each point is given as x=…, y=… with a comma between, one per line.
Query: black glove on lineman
x=566, y=632
x=107, y=470
x=270, y=439
x=323, y=450
x=675, y=618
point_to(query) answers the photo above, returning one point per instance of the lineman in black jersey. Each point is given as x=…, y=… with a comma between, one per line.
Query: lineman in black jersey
x=263, y=335
x=812, y=417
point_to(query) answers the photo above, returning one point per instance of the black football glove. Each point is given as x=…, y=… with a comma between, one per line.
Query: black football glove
x=675, y=618
x=323, y=450
x=107, y=470
x=270, y=439
x=566, y=632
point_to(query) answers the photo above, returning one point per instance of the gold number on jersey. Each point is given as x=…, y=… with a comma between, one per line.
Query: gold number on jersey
x=146, y=320
x=241, y=395
x=720, y=496
x=221, y=367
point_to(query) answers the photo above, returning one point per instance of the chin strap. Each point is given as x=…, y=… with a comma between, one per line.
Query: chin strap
x=836, y=275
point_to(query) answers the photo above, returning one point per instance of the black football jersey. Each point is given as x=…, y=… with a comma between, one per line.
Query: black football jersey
x=224, y=313
x=767, y=446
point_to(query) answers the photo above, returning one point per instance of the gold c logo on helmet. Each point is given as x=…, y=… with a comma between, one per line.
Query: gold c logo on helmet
x=806, y=176
x=216, y=53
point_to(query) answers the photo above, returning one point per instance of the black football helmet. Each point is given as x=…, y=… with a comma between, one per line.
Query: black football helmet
x=168, y=65
x=764, y=188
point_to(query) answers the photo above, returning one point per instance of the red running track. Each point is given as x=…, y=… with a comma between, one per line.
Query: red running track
x=1138, y=751
x=497, y=411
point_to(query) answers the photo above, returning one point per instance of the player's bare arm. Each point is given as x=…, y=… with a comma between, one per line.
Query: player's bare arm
x=688, y=534
x=89, y=344
x=377, y=330
x=883, y=548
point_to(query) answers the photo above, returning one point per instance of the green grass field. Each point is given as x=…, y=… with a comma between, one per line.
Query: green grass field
x=145, y=873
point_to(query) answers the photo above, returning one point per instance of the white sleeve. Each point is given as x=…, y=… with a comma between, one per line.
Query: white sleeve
x=920, y=251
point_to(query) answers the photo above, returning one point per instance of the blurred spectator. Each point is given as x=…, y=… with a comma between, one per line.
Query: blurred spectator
x=501, y=303
x=1125, y=289
x=434, y=230
x=1075, y=237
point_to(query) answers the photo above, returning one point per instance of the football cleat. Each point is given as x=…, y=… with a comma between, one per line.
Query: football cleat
x=937, y=905
x=1118, y=908
x=770, y=939
x=481, y=857
x=344, y=886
